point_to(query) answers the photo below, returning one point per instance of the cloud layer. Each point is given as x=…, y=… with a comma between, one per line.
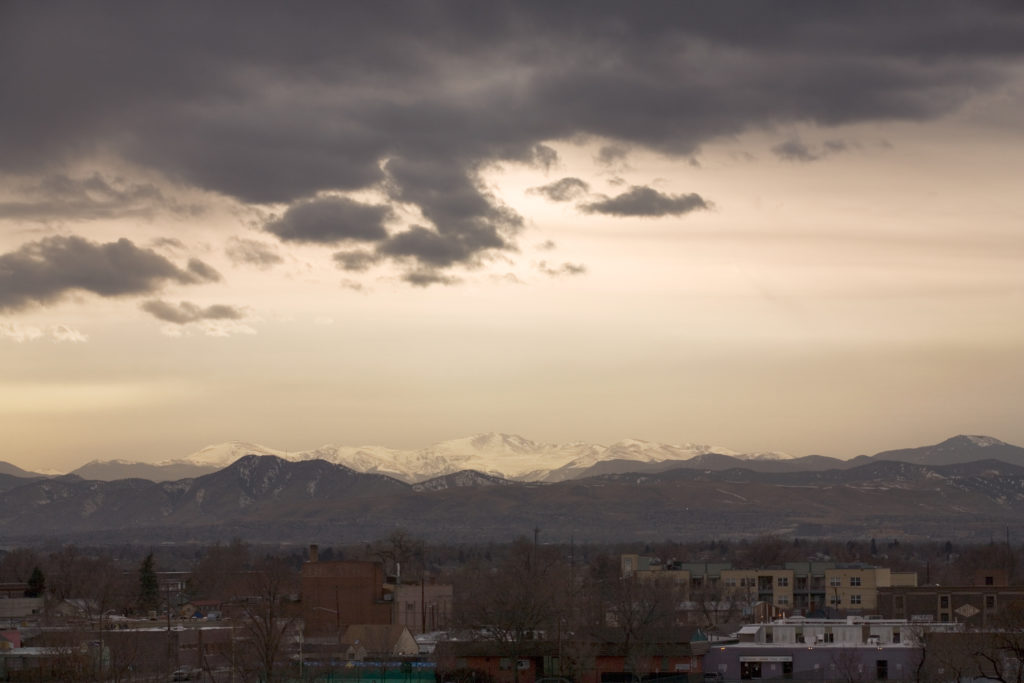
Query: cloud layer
x=275, y=107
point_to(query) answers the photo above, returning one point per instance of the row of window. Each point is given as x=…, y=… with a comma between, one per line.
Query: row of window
x=783, y=581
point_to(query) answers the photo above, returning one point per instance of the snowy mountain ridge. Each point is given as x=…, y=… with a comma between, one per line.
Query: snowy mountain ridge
x=505, y=455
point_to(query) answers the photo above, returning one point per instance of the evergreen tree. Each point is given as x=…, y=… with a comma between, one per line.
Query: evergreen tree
x=36, y=584
x=149, y=587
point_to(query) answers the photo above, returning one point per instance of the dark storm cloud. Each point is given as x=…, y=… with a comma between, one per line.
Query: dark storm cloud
x=329, y=220
x=646, y=202
x=267, y=104
x=251, y=252
x=563, y=190
x=187, y=312
x=42, y=272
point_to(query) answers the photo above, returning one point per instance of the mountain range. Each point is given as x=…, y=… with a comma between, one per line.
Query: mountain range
x=502, y=455
x=268, y=498
x=519, y=459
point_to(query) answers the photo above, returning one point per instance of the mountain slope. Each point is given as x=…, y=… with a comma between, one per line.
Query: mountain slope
x=112, y=470
x=958, y=449
x=15, y=471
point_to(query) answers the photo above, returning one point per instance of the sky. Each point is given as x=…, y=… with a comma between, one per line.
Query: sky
x=787, y=226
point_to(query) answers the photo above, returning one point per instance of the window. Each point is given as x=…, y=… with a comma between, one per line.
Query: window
x=943, y=602
x=897, y=603
x=835, y=581
x=783, y=600
x=834, y=599
x=895, y=637
x=990, y=580
x=782, y=581
x=882, y=669
x=854, y=599
x=854, y=580
x=730, y=582
x=990, y=602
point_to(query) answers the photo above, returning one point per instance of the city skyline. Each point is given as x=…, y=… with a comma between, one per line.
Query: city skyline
x=785, y=227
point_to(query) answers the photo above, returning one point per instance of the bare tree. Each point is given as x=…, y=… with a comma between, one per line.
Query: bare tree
x=268, y=616
x=512, y=602
x=848, y=666
x=999, y=653
x=17, y=565
x=641, y=612
x=219, y=574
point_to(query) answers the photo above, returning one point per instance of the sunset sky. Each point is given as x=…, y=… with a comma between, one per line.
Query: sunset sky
x=791, y=226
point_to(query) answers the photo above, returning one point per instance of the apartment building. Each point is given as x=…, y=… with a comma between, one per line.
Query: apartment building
x=795, y=588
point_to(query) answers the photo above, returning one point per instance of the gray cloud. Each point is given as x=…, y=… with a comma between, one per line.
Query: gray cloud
x=171, y=243
x=251, y=252
x=425, y=278
x=42, y=272
x=273, y=107
x=187, y=312
x=795, y=150
x=356, y=261
x=428, y=247
x=563, y=190
x=329, y=220
x=544, y=156
x=612, y=154
x=58, y=196
x=646, y=202
x=562, y=269
x=203, y=271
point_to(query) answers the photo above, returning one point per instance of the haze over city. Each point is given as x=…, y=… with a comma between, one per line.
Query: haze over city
x=792, y=226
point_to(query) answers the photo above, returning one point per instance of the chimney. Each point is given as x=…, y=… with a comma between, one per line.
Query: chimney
x=314, y=552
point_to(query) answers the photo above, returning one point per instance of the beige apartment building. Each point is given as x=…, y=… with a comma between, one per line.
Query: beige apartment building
x=795, y=588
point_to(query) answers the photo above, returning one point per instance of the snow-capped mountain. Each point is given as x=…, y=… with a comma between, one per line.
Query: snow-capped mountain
x=223, y=454
x=504, y=455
